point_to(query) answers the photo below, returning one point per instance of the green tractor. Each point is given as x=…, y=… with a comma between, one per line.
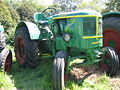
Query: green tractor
x=64, y=37
x=5, y=54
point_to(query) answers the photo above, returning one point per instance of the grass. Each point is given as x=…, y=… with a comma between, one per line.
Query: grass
x=100, y=83
x=6, y=82
x=40, y=78
x=28, y=79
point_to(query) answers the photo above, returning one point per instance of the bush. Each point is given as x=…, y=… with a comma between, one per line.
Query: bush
x=5, y=16
x=11, y=12
x=14, y=15
x=9, y=19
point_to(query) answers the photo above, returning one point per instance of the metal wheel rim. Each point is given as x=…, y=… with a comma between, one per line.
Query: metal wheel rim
x=111, y=35
x=8, y=62
x=105, y=65
x=19, y=52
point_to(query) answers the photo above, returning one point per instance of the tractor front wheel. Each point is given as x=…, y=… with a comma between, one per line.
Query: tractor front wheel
x=110, y=63
x=26, y=50
x=59, y=70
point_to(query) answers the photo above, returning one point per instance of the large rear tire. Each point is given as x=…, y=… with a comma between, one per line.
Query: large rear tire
x=59, y=70
x=26, y=50
x=110, y=63
x=111, y=33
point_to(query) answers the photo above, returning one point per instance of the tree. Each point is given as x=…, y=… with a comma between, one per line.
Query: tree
x=26, y=9
x=5, y=16
x=66, y=5
x=9, y=19
x=113, y=5
x=14, y=15
x=97, y=5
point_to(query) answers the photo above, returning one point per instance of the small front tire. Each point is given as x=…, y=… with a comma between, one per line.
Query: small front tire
x=110, y=64
x=59, y=70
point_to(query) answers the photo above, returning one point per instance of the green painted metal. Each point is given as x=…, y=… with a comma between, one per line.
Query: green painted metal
x=39, y=16
x=77, y=28
x=60, y=44
x=111, y=14
x=77, y=13
x=32, y=28
x=83, y=27
x=1, y=28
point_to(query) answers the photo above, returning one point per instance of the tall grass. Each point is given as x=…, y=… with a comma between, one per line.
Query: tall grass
x=100, y=83
x=40, y=78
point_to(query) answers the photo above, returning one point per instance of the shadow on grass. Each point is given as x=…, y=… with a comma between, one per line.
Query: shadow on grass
x=39, y=78
x=79, y=82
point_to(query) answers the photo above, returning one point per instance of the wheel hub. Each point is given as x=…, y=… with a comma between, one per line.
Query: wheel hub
x=104, y=67
x=111, y=38
x=20, y=50
x=65, y=77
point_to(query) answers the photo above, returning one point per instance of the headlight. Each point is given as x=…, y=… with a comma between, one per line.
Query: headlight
x=66, y=37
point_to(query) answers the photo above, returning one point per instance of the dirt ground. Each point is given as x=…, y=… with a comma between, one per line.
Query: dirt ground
x=93, y=72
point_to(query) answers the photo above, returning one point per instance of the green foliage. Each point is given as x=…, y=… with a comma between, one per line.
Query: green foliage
x=100, y=83
x=5, y=16
x=66, y=5
x=72, y=5
x=14, y=15
x=92, y=5
x=112, y=5
x=26, y=10
x=10, y=32
x=10, y=36
x=12, y=11
x=40, y=78
x=5, y=82
x=8, y=18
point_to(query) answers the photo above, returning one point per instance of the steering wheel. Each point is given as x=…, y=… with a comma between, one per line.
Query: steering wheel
x=49, y=11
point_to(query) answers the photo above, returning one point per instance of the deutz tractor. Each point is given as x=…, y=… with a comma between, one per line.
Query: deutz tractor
x=5, y=54
x=66, y=37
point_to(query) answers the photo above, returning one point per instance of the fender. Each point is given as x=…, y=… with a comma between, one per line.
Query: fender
x=111, y=14
x=1, y=28
x=32, y=28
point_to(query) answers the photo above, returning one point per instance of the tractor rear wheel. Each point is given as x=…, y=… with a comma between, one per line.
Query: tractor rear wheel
x=26, y=50
x=110, y=63
x=111, y=33
x=59, y=70
x=6, y=60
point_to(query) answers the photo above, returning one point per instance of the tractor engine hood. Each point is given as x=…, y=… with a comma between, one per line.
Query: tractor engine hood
x=76, y=14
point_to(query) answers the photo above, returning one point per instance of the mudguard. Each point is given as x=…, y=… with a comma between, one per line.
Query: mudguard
x=111, y=14
x=1, y=28
x=32, y=28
